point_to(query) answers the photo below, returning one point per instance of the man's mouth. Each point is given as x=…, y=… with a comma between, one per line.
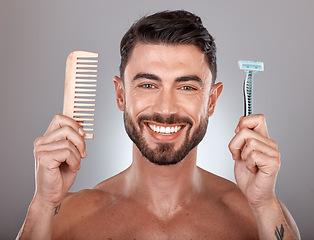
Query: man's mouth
x=164, y=130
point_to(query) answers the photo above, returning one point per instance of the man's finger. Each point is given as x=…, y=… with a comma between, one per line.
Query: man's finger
x=238, y=142
x=53, y=159
x=257, y=161
x=60, y=121
x=64, y=133
x=255, y=122
x=253, y=144
x=62, y=144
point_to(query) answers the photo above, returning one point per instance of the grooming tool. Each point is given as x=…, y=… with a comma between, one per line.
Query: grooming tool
x=80, y=89
x=250, y=68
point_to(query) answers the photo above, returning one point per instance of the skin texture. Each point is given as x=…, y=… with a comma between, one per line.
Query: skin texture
x=151, y=201
x=167, y=88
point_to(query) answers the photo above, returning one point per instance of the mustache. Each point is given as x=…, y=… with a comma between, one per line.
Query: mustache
x=170, y=119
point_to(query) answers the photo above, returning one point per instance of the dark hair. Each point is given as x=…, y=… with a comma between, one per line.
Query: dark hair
x=169, y=27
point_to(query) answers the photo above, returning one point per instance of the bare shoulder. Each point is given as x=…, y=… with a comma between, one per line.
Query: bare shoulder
x=85, y=200
x=80, y=207
x=234, y=208
x=101, y=195
x=226, y=190
x=104, y=193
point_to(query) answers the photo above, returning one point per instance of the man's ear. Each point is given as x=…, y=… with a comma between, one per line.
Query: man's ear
x=120, y=97
x=214, y=94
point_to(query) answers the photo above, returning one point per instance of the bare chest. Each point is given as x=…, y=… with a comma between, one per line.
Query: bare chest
x=134, y=222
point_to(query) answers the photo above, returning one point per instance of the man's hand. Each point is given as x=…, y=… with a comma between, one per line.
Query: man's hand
x=58, y=158
x=257, y=160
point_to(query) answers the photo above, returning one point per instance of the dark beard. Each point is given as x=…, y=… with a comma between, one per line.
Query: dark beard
x=164, y=153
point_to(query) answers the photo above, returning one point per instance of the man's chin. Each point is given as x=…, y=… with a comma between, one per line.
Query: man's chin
x=164, y=161
x=164, y=154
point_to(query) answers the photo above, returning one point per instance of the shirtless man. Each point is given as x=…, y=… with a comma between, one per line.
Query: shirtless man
x=167, y=92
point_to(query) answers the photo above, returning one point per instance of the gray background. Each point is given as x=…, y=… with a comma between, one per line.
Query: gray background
x=37, y=36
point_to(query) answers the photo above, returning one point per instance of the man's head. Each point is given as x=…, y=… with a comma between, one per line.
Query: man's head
x=166, y=87
x=169, y=27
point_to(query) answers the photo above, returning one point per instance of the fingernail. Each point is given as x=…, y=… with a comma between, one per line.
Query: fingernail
x=237, y=129
x=85, y=154
x=81, y=131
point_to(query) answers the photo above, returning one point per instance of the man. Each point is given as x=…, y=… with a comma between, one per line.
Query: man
x=167, y=91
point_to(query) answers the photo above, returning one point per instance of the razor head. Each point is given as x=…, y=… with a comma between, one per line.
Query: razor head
x=251, y=66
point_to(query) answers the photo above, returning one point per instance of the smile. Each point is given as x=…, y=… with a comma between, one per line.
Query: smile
x=164, y=130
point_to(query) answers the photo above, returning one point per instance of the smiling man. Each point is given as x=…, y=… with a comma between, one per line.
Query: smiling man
x=166, y=106
x=167, y=92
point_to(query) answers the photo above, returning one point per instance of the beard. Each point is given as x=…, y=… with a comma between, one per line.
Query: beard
x=164, y=153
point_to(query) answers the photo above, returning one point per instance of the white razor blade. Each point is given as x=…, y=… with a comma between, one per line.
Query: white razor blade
x=251, y=66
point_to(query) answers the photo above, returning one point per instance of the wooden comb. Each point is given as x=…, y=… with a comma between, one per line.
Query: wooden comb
x=80, y=89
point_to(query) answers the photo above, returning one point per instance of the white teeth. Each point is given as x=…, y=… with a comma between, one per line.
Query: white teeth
x=165, y=130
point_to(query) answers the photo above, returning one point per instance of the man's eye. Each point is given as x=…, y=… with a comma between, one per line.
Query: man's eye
x=188, y=88
x=147, y=86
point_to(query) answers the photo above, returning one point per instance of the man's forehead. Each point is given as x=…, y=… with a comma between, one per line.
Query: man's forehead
x=165, y=49
x=182, y=59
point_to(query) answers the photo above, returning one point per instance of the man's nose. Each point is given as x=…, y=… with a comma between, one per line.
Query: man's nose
x=165, y=103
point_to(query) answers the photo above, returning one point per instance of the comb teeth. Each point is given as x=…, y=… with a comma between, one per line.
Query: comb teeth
x=80, y=89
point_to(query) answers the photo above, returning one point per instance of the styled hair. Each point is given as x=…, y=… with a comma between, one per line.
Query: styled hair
x=169, y=27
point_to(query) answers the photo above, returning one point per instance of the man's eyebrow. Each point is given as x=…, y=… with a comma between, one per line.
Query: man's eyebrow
x=190, y=78
x=179, y=79
x=147, y=76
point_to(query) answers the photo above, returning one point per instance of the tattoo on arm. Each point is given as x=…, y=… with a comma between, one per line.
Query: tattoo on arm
x=57, y=209
x=279, y=233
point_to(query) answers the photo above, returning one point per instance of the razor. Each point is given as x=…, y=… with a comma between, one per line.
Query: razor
x=250, y=68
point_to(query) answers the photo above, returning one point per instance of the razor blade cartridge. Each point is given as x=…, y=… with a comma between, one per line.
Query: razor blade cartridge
x=251, y=66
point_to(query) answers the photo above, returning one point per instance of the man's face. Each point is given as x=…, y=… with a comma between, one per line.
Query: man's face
x=166, y=100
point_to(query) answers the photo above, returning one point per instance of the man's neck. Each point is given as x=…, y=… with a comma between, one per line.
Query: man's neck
x=163, y=189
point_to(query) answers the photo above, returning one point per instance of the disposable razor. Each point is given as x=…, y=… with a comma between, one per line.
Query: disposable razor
x=250, y=68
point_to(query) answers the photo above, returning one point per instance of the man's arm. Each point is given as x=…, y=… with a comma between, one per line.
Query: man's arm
x=257, y=162
x=57, y=159
x=39, y=221
x=275, y=221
